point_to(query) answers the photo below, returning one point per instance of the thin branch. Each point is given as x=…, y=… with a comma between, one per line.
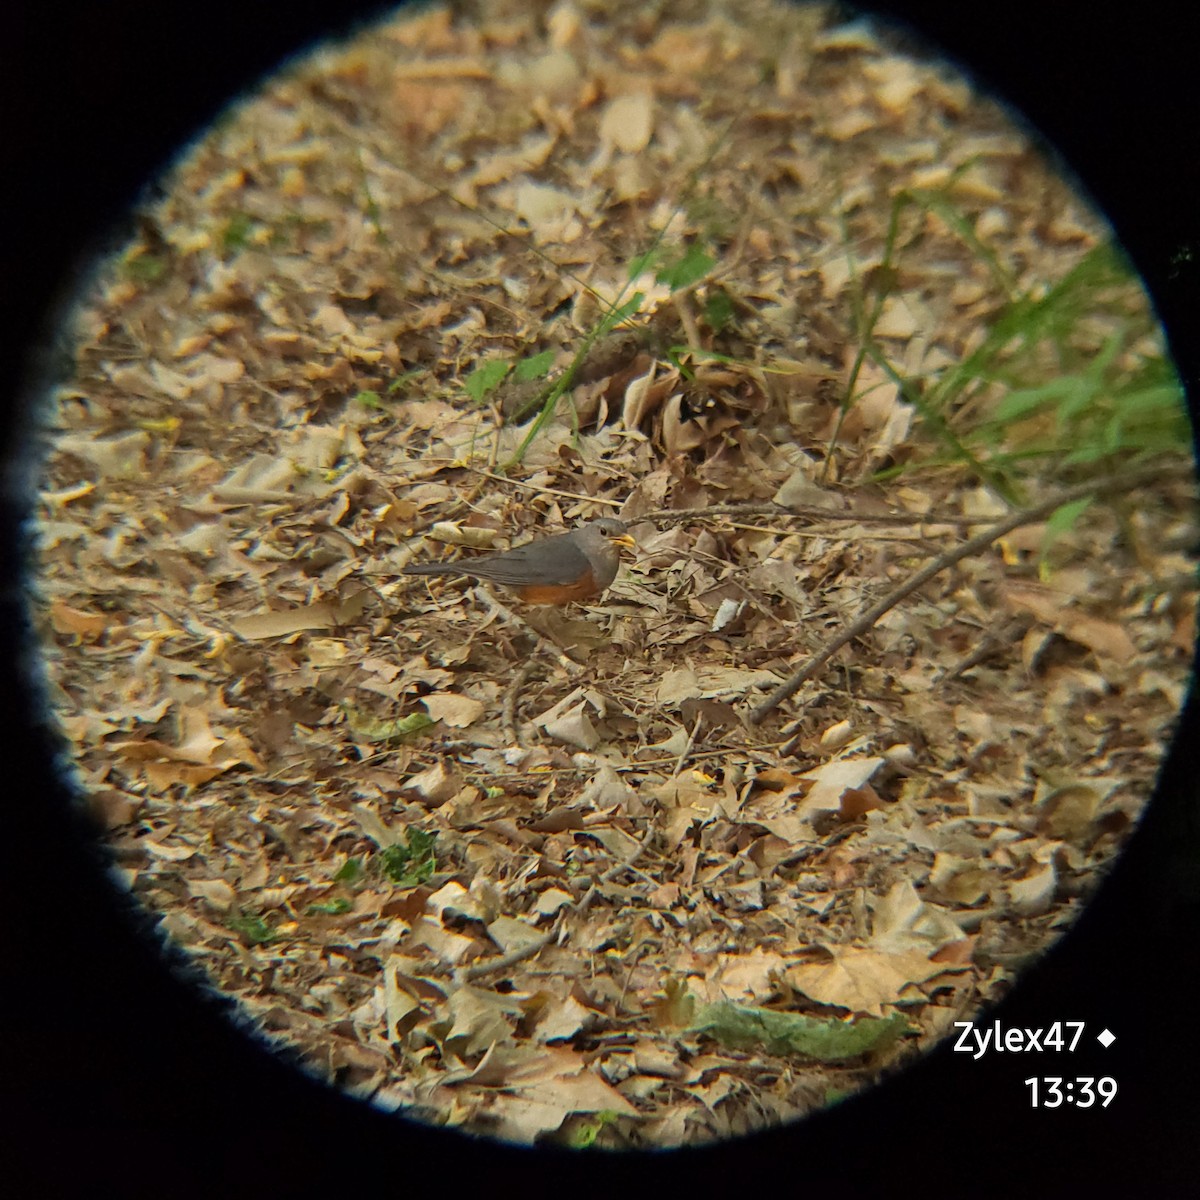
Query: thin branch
x=808, y=512
x=973, y=545
x=686, y=752
x=542, y=491
x=504, y=961
x=511, y=729
x=1012, y=631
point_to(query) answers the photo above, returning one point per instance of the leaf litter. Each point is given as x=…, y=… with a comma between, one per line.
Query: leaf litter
x=642, y=920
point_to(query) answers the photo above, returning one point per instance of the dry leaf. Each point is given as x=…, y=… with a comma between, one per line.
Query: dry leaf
x=453, y=709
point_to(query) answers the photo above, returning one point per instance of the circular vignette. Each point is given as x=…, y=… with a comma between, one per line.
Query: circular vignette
x=1132, y=240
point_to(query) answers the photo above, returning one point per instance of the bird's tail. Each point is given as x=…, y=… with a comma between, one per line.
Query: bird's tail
x=432, y=569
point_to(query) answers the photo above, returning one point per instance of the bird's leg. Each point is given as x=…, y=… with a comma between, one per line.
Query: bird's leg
x=558, y=653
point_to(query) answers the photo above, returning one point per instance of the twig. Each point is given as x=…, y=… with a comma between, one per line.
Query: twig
x=512, y=730
x=991, y=642
x=686, y=752
x=776, y=531
x=723, y=752
x=504, y=961
x=634, y=768
x=806, y=511
x=543, y=491
x=971, y=546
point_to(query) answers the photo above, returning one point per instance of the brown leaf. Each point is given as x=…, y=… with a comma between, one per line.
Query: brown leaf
x=859, y=979
x=435, y=785
x=832, y=780
x=84, y=625
x=453, y=709
x=1104, y=637
x=324, y=614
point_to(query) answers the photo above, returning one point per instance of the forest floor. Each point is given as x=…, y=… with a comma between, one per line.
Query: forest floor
x=602, y=893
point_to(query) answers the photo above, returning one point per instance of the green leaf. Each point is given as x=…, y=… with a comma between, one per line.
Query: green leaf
x=689, y=269
x=411, y=864
x=369, y=399
x=330, y=908
x=1064, y=517
x=644, y=262
x=621, y=313
x=1024, y=401
x=718, y=310
x=350, y=871
x=252, y=929
x=372, y=729
x=486, y=379
x=144, y=268
x=236, y=233
x=584, y=1131
x=535, y=367
x=401, y=380
x=827, y=1040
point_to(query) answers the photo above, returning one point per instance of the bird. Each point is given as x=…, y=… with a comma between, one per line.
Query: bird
x=568, y=567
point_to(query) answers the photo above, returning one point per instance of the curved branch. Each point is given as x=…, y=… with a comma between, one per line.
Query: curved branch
x=1025, y=516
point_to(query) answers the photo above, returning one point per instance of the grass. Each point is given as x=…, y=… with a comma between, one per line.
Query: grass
x=1068, y=378
x=676, y=268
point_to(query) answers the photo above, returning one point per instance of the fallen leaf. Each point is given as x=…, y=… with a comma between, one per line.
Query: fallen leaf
x=324, y=614
x=1104, y=637
x=574, y=728
x=832, y=780
x=453, y=709
x=627, y=122
x=860, y=979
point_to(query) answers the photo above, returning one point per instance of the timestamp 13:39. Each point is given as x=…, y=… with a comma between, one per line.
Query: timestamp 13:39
x=1083, y=1092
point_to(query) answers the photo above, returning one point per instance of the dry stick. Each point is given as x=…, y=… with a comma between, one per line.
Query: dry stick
x=686, y=752
x=633, y=768
x=512, y=730
x=543, y=491
x=504, y=961
x=807, y=511
x=979, y=542
x=1012, y=631
x=821, y=532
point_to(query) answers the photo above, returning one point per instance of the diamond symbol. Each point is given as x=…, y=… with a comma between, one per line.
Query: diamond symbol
x=1105, y=1038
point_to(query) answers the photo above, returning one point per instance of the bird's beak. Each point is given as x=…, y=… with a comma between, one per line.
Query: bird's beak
x=625, y=540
